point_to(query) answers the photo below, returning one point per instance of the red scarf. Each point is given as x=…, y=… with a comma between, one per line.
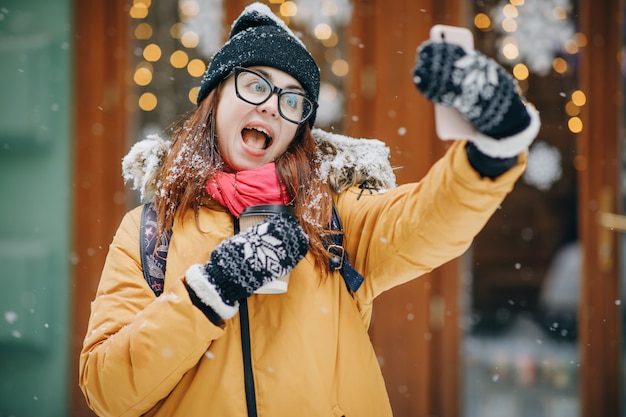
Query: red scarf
x=242, y=189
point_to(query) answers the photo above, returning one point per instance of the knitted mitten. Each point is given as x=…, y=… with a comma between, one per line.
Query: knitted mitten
x=482, y=91
x=241, y=264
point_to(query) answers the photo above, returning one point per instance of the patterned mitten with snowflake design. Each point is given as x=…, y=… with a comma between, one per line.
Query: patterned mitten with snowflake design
x=243, y=263
x=482, y=91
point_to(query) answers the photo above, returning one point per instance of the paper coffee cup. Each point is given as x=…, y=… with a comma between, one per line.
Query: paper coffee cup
x=256, y=214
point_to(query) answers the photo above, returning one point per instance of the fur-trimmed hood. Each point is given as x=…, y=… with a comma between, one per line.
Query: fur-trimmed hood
x=344, y=161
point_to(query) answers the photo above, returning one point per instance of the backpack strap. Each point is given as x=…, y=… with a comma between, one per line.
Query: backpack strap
x=339, y=260
x=154, y=254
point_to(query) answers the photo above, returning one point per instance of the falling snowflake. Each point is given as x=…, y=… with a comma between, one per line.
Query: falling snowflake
x=544, y=166
x=538, y=28
x=10, y=316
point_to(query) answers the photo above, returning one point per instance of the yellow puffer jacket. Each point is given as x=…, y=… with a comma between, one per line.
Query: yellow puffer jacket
x=311, y=354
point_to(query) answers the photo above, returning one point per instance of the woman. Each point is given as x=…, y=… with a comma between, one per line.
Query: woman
x=208, y=345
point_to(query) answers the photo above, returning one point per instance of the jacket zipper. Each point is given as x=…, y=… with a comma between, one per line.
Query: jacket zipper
x=248, y=377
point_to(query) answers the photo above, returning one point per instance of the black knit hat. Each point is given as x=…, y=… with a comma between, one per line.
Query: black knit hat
x=259, y=37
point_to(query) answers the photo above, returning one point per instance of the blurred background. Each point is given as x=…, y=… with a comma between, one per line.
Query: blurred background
x=528, y=323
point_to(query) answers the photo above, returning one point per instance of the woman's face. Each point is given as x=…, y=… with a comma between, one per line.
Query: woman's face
x=248, y=135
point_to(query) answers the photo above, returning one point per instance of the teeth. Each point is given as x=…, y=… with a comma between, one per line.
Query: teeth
x=260, y=129
x=254, y=141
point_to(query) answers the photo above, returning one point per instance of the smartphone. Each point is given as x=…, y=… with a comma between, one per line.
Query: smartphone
x=449, y=122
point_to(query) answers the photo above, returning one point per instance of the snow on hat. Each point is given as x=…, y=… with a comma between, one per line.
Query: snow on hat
x=259, y=37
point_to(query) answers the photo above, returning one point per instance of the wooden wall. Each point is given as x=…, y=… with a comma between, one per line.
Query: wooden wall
x=101, y=77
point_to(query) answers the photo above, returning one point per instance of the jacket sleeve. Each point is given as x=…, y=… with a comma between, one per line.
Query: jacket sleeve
x=400, y=234
x=137, y=346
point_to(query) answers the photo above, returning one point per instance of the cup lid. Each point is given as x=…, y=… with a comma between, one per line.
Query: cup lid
x=266, y=209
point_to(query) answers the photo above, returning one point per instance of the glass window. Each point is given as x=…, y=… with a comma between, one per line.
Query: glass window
x=520, y=354
x=174, y=40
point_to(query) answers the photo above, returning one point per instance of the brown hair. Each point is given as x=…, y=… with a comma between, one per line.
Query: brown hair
x=194, y=157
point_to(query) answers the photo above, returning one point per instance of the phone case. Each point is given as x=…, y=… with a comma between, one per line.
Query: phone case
x=449, y=123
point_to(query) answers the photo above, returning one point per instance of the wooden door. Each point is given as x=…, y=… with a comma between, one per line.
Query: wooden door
x=100, y=126
x=599, y=192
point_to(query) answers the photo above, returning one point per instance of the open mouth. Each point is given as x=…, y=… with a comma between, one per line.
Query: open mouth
x=256, y=137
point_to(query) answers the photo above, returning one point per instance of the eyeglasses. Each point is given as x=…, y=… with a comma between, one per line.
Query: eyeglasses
x=253, y=88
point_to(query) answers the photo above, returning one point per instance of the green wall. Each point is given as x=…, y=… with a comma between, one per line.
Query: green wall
x=35, y=207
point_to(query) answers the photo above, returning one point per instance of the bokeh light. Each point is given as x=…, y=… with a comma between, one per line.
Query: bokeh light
x=520, y=71
x=147, y=102
x=575, y=124
x=143, y=31
x=559, y=65
x=179, y=59
x=152, y=52
x=323, y=31
x=143, y=74
x=579, y=98
x=482, y=21
x=196, y=68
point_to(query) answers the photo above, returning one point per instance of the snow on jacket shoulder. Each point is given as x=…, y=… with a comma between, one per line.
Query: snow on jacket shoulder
x=311, y=353
x=405, y=232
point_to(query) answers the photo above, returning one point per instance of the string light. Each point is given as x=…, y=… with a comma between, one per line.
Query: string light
x=190, y=39
x=193, y=94
x=323, y=31
x=581, y=39
x=143, y=74
x=482, y=22
x=147, y=102
x=509, y=25
x=571, y=46
x=572, y=109
x=575, y=124
x=143, y=31
x=543, y=31
x=580, y=163
x=332, y=41
x=138, y=11
x=510, y=11
x=559, y=13
x=321, y=23
x=152, y=52
x=579, y=98
x=520, y=71
x=176, y=29
x=196, y=68
x=179, y=59
x=559, y=65
x=509, y=49
x=340, y=67
x=288, y=9
x=188, y=8
x=181, y=37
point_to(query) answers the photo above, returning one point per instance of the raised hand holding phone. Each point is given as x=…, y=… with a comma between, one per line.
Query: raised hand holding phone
x=450, y=124
x=476, y=99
